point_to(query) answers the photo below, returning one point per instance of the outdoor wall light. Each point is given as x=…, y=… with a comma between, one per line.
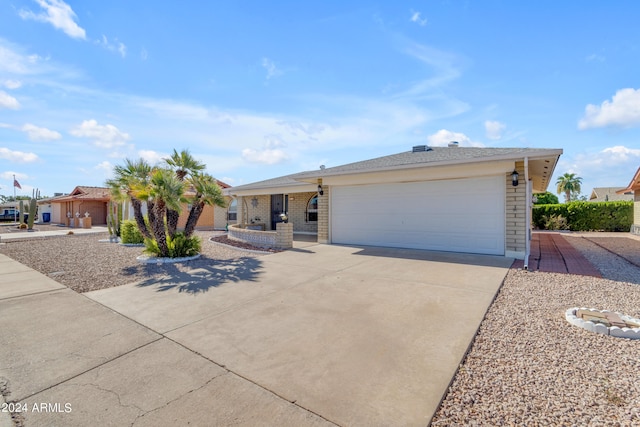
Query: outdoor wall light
x=320, y=192
x=514, y=178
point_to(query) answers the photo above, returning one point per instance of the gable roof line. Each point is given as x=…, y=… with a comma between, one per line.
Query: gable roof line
x=631, y=186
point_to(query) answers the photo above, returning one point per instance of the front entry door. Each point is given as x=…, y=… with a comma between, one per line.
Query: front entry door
x=279, y=204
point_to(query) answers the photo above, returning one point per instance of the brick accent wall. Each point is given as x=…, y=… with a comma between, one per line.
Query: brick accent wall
x=515, y=217
x=262, y=211
x=297, y=212
x=323, y=215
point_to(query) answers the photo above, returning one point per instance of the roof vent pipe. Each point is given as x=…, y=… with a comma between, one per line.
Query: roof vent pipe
x=322, y=167
x=453, y=144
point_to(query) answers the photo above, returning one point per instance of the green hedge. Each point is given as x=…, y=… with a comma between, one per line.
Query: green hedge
x=129, y=232
x=584, y=216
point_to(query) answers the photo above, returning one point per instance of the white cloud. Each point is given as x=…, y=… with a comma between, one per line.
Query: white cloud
x=105, y=166
x=115, y=46
x=152, y=157
x=8, y=175
x=621, y=153
x=494, y=129
x=8, y=101
x=59, y=14
x=609, y=167
x=36, y=133
x=623, y=110
x=443, y=137
x=17, y=156
x=12, y=84
x=270, y=66
x=266, y=156
x=104, y=136
x=144, y=54
x=418, y=19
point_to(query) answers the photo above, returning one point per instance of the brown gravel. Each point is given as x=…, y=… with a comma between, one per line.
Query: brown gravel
x=529, y=366
x=84, y=264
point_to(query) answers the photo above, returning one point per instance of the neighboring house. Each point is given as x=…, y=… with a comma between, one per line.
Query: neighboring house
x=458, y=199
x=610, y=194
x=634, y=187
x=211, y=217
x=45, y=210
x=81, y=200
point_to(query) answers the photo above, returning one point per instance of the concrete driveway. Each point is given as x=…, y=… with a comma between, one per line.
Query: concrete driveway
x=317, y=335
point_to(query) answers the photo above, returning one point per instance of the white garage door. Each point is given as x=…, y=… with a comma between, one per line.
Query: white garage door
x=462, y=215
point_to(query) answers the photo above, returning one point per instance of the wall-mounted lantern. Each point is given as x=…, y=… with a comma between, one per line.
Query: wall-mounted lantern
x=514, y=178
x=320, y=192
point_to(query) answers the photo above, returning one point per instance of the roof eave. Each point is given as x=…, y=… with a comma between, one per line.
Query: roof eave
x=313, y=177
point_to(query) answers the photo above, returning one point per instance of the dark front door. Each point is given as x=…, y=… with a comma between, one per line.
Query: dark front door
x=279, y=204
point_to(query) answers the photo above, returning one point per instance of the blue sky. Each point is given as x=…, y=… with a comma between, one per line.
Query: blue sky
x=260, y=89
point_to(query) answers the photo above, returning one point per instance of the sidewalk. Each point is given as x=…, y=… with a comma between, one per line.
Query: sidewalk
x=9, y=236
x=67, y=357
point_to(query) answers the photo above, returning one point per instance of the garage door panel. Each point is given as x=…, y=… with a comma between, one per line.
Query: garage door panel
x=457, y=215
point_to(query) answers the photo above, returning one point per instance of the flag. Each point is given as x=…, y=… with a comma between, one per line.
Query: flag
x=16, y=183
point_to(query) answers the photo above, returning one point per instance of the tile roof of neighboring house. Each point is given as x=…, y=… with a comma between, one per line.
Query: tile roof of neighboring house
x=609, y=194
x=84, y=193
x=409, y=159
x=634, y=185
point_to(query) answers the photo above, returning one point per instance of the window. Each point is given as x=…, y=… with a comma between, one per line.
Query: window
x=232, y=211
x=312, y=209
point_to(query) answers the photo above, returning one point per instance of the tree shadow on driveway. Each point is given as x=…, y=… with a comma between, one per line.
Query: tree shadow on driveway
x=198, y=276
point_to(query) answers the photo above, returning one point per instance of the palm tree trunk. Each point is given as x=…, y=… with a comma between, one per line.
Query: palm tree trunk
x=568, y=195
x=172, y=222
x=158, y=227
x=194, y=215
x=137, y=214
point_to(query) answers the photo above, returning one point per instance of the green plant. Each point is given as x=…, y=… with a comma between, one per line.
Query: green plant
x=585, y=216
x=179, y=246
x=556, y=222
x=129, y=232
x=33, y=205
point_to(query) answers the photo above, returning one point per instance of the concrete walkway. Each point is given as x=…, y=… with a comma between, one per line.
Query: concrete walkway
x=318, y=335
x=552, y=253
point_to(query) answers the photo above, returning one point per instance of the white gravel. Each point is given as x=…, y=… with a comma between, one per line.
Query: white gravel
x=529, y=366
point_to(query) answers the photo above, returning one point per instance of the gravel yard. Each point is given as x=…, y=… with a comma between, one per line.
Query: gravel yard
x=527, y=365
x=84, y=264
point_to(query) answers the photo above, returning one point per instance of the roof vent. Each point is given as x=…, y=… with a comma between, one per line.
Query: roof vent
x=453, y=144
x=420, y=148
x=322, y=167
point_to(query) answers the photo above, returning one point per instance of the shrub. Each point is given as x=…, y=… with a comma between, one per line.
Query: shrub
x=586, y=216
x=129, y=232
x=180, y=246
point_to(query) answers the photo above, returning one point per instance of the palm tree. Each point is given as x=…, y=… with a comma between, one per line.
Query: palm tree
x=568, y=183
x=184, y=166
x=165, y=191
x=127, y=181
x=207, y=193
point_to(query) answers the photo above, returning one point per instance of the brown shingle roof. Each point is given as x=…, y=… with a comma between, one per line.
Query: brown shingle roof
x=85, y=193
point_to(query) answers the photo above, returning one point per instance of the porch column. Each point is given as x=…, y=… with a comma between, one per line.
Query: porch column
x=240, y=211
x=323, y=214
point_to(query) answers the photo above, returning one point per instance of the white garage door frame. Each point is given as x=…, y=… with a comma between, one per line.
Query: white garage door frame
x=455, y=215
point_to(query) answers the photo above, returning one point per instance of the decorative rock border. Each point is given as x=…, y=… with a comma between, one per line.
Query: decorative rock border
x=599, y=328
x=146, y=259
